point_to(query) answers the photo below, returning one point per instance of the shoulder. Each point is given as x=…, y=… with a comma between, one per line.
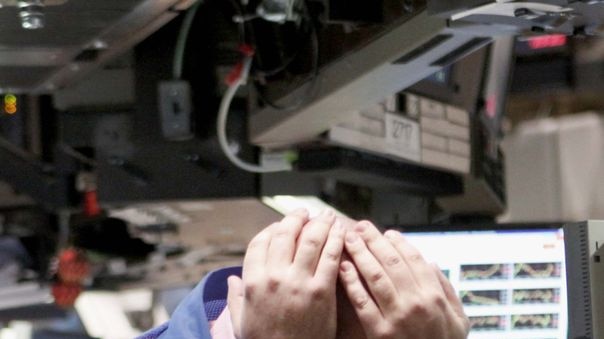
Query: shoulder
x=205, y=303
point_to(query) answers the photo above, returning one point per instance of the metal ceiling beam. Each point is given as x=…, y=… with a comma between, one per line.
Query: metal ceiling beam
x=76, y=40
x=402, y=56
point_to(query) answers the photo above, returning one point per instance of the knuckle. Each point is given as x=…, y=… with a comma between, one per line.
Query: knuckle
x=466, y=323
x=360, y=300
x=421, y=309
x=354, y=249
x=313, y=243
x=438, y=300
x=281, y=232
x=250, y=289
x=401, y=318
x=273, y=283
x=319, y=292
x=393, y=260
x=332, y=255
x=376, y=277
x=295, y=290
x=349, y=277
x=415, y=258
x=367, y=231
x=386, y=332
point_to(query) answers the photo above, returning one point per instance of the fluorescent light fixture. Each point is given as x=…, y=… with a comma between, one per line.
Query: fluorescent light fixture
x=22, y=329
x=136, y=300
x=288, y=203
x=8, y=333
x=160, y=314
x=24, y=294
x=104, y=313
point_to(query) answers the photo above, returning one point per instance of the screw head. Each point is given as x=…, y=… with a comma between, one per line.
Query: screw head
x=32, y=22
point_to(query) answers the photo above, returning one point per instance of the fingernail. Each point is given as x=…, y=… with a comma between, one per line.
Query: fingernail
x=351, y=237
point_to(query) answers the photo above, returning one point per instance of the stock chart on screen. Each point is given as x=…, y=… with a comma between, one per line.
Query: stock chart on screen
x=512, y=283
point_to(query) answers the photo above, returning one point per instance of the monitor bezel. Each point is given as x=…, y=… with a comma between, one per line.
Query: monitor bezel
x=469, y=227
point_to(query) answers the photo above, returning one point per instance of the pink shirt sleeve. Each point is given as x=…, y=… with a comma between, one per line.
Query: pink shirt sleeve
x=222, y=328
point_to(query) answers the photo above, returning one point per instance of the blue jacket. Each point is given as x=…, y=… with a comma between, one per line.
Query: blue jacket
x=205, y=303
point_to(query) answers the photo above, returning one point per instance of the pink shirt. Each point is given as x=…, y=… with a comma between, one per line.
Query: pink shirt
x=222, y=328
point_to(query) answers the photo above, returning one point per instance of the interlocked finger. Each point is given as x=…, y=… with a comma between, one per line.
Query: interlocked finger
x=311, y=242
x=283, y=239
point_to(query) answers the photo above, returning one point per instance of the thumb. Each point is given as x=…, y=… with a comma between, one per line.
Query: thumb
x=235, y=303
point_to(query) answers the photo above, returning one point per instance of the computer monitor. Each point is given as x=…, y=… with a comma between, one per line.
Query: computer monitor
x=511, y=280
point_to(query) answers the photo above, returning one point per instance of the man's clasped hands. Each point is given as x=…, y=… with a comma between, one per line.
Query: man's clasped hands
x=330, y=277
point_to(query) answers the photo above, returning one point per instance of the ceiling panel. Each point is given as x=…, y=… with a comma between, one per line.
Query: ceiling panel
x=42, y=60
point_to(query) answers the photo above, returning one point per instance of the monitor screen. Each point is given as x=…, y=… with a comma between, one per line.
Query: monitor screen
x=512, y=283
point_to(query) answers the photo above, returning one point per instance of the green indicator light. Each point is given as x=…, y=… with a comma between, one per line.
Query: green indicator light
x=10, y=99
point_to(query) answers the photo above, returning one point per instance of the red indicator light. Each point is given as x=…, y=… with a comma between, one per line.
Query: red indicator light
x=491, y=106
x=547, y=41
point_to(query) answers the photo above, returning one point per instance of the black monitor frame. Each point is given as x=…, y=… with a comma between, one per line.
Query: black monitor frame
x=487, y=226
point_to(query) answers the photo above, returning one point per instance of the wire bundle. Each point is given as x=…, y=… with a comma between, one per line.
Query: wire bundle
x=240, y=76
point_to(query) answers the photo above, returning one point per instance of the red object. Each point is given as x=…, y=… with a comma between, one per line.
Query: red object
x=234, y=75
x=91, y=204
x=65, y=294
x=547, y=41
x=491, y=106
x=247, y=50
x=73, y=266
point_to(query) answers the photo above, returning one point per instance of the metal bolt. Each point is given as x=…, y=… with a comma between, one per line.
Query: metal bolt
x=32, y=22
x=31, y=13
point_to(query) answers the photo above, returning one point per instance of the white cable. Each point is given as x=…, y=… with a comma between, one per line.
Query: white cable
x=181, y=41
x=221, y=125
